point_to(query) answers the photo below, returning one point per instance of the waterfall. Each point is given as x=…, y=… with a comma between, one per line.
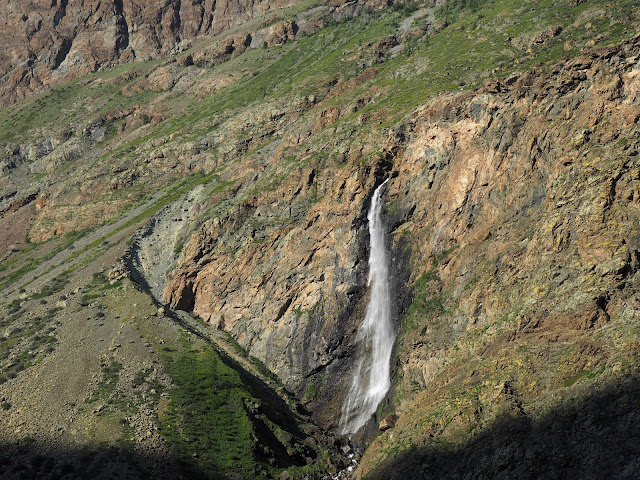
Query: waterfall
x=371, y=379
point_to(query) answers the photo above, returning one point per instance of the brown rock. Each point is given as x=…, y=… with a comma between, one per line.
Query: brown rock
x=186, y=61
x=280, y=33
x=388, y=422
x=58, y=41
x=41, y=202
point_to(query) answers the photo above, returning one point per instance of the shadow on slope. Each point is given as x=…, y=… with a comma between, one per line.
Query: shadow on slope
x=592, y=437
x=38, y=459
x=221, y=422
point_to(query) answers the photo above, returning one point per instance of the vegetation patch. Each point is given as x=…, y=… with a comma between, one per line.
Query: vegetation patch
x=206, y=415
x=26, y=344
x=110, y=375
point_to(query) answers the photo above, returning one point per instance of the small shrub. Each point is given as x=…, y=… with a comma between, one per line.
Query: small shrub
x=28, y=441
x=139, y=378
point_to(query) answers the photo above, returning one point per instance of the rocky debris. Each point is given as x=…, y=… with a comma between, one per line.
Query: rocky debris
x=155, y=248
x=537, y=40
x=118, y=272
x=65, y=419
x=222, y=50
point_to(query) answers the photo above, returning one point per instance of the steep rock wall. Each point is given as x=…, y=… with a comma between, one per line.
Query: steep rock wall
x=285, y=273
x=514, y=207
x=525, y=211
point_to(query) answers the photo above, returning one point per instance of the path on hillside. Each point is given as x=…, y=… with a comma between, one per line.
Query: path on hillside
x=80, y=250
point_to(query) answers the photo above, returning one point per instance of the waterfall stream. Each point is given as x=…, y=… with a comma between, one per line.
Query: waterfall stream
x=371, y=379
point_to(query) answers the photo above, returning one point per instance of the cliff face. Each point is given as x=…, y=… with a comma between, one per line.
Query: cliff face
x=50, y=42
x=517, y=205
x=285, y=274
x=524, y=201
x=512, y=213
x=53, y=41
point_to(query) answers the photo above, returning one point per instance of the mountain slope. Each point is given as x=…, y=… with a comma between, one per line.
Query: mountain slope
x=509, y=134
x=523, y=198
x=54, y=41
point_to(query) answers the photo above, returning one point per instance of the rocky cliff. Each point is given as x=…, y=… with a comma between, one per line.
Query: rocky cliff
x=511, y=212
x=509, y=137
x=523, y=201
x=53, y=41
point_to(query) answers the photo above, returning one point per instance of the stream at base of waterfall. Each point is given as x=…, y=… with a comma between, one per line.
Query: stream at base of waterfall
x=375, y=338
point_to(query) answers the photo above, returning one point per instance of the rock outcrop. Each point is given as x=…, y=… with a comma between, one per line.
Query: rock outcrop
x=58, y=40
x=285, y=274
x=53, y=41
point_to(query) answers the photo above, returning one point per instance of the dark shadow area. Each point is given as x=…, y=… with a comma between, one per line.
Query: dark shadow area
x=591, y=437
x=32, y=459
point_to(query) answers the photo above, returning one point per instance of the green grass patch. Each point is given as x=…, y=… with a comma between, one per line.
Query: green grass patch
x=68, y=104
x=110, y=375
x=26, y=345
x=206, y=415
x=584, y=375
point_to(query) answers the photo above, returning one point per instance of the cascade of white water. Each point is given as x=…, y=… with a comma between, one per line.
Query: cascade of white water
x=371, y=379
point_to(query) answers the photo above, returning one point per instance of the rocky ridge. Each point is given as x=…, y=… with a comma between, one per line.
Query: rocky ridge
x=56, y=41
